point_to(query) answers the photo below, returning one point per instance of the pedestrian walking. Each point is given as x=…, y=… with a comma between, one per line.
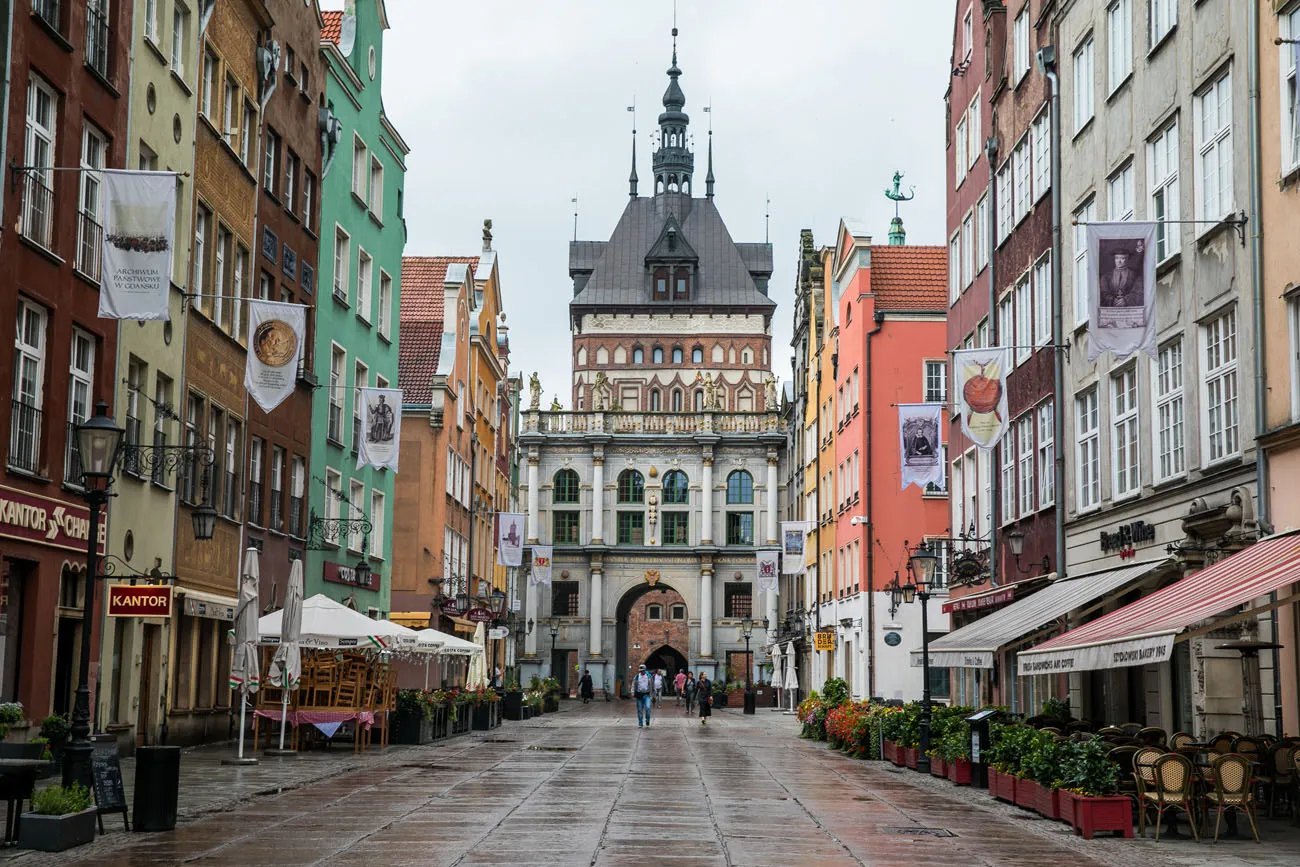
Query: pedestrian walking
x=679, y=683
x=642, y=689
x=659, y=687
x=704, y=694
x=689, y=690
x=585, y=687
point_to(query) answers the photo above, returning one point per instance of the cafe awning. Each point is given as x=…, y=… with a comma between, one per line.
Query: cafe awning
x=1145, y=631
x=975, y=645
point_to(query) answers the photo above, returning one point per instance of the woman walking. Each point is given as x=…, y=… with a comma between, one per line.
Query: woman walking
x=585, y=687
x=688, y=690
x=704, y=693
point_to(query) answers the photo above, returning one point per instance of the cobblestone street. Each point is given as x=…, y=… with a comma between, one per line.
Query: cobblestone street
x=586, y=787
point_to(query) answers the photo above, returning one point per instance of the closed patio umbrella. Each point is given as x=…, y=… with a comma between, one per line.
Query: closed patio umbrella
x=286, y=666
x=243, y=655
x=791, y=675
x=778, y=671
x=476, y=677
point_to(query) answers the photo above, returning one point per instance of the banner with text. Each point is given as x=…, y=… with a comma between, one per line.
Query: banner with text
x=510, y=539
x=919, y=444
x=139, y=216
x=1122, y=288
x=794, y=535
x=381, y=426
x=768, y=569
x=541, y=571
x=275, y=335
x=981, y=387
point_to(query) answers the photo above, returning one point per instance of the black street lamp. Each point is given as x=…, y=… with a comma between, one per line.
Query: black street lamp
x=553, y=623
x=922, y=563
x=100, y=443
x=747, y=630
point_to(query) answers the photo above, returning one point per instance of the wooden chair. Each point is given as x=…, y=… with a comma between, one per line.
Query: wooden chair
x=1234, y=789
x=1144, y=779
x=1181, y=741
x=1175, y=789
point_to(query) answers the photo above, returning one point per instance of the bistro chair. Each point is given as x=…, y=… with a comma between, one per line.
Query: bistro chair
x=1234, y=789
x=1181, y=741
x=1122, y=757
x=1152, y=736
x=1277, y=774
x=1248, y=747
x=1110, y=732
x=1079, y=726
x=1222, y=743
x=1131, y=729
x=1175, y=789
x=1144, y=779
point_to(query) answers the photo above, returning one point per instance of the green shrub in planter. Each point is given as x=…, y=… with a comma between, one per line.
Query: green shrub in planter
x=60, y=819
x=61, y=800
x=11, y=714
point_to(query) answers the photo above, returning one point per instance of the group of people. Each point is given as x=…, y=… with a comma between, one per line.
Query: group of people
x=648, y=689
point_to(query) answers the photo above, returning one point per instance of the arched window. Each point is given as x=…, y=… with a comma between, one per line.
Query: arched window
x=638, y=355
x=677, y=400
x=677, y=355
x=676, y=488
x=661, y=284
x=655, y=402
x=565, y=488
x=657, y=355
x=740, y=488
x=681, y=284
x=686, y=185
x=631, y=487
x=697, y=355
x=699, y=401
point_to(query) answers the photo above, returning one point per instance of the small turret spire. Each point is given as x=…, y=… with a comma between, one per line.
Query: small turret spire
x=673, y=161
x=708, y=178
x=632, y=178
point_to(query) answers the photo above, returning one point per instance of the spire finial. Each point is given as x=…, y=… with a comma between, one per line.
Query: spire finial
x=674, y=32
x=708, y=178
x=632, y=178
x=897, y=235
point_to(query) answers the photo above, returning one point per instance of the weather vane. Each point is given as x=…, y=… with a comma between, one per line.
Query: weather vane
x=896, y=195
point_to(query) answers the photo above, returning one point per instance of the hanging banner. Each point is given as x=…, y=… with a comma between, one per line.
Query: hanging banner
x=139, y=216
x=275, y=335
x=381, y=425
x=541, y=571
x=510, y=539
x=981, y=391
x=920, y=446
x=1121, y=289
x=768, y=569
x=794, y=535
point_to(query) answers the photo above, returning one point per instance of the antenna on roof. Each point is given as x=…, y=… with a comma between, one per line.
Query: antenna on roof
x=767, y=222
x=674, y=32
x=575, y=217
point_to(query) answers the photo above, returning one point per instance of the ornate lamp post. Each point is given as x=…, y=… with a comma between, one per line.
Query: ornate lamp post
x=922, y=563
x=554, y=624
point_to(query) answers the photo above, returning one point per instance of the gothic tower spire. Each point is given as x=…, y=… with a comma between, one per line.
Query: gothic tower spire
x=674, y=162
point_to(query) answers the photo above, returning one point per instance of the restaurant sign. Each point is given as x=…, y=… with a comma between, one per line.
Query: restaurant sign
x=45, y=521
x=195, y=607
x=1127, y=537
x=336, y=573
x=977, y=601
x=824, y=641
x=451, y=608
x=141, y=600
x=479, y=615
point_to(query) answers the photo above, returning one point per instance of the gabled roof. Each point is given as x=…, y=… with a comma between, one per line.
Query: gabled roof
x=423, y=278
x=909, y=278
x=671, y=245
x=333, y=26
x=419, y=344
x=619, y=277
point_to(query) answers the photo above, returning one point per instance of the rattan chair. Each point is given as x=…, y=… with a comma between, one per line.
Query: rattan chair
x=1079, y=726
x=1122, y=757
x=1144, y=779
x=1223, y=743
x=1181, y=740
x=1111, y=732
x=1277, y=774
x=1152, y=736
x=1175, y=789
x=1234, y=789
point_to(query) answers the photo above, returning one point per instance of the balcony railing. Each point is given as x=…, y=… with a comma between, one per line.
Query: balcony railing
x=295, y=517
x=276, y=509
x=97, y=36
x=130, y=442
x=255, y=502
x=159, y=474
x=25, y=437
x=38, y=209
x=72, y=457
x=667, y=423
x=334, y=429
x=356, y=433
x=47, y=11
x=89, y=236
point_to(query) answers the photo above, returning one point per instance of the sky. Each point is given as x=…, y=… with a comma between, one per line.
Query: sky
x=512, y=108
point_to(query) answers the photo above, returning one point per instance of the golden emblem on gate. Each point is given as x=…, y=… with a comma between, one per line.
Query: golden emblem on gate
x=652, y=577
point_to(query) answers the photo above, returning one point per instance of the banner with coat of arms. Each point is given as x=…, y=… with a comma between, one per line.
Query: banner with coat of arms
x=981, y=388
x=541, y=571
x=768, y=569
x=275, y=336
x=794, y=535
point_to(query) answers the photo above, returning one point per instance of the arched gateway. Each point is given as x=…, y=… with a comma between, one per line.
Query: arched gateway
x=652, y=629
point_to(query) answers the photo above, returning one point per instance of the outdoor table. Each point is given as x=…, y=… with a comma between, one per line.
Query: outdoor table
x=17, y=781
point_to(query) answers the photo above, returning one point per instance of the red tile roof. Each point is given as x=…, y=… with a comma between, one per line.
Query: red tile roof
x=907, y=278
x=333, y=26
x=418, y=346
x=422, y=285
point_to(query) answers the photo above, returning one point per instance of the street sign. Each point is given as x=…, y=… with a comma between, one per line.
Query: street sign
x=823, y=641
x=144, y=600
x=497, y=632
x=479, y=615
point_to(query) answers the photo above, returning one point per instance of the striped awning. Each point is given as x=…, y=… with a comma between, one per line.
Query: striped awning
x=976, y=644
x=1145, y=631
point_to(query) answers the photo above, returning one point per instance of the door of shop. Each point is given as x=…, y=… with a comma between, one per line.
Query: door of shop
x=150, y=665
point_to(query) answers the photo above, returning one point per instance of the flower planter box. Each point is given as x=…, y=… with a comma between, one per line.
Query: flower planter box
x=719, y=699
x=1065, y=805
x=1110, y=813
x=959, y=772
x=410, y=728
x=910, y=755
x=1002, y=786
x=1027, y=793
x=481, y=717
x=1048, y=802
x=512, y=704
x=550, y=704
x=56, y=833
x=892, y=752
x=21, y=751
x=938, y=767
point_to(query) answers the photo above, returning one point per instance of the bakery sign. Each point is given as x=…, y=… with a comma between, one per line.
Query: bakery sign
x=336, y=573
x=44, y=521
x=139, y=600
x=1127, y=537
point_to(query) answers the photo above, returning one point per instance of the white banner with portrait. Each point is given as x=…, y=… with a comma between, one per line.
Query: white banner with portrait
x=980, y=378
x=768, y=569
x=381, y=427
x=510, y=539
x=1121, y=288
x=794, y=536
x=139, y=220
x=920, y=444
x=540, y=573
x=276, y=332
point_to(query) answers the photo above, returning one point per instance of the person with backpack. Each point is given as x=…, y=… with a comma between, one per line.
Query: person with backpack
x=642, y=688
x=688, y=690
x=704, y=692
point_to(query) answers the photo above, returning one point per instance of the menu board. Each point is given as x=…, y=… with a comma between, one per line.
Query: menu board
x=106, y=771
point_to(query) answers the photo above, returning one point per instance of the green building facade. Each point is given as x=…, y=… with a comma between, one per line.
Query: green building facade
x=362, y=237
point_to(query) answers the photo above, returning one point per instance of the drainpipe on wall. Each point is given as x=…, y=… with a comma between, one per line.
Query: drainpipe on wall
x=1047, y=62
x=991, y=152
x=879, y=318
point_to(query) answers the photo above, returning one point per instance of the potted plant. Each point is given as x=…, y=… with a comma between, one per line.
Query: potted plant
x=1042, y=767
x=11, y=714
x=956, y=752
x=56, y=730
x=512, y=702
x=1090, y=779
x=61, y=817
x=550, y=694
x=1005, y=756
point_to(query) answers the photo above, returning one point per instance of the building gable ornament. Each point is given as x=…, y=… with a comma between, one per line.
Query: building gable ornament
x=652, y=577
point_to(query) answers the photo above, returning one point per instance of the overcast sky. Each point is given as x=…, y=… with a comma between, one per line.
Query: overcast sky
x=512, y=108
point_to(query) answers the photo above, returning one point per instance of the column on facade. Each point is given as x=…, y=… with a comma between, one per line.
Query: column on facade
x=772, y=498
x=706, y=500
x=706, y=610
x=534, y=495
x=530, y=616
x=597, y=604
x=598, y=496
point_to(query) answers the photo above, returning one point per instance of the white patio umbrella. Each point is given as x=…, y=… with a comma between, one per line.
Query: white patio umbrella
x=791, y=675
x=286, y=666
x=476, y=677
x=327, y=624
x=778, y=671
x=243, y=656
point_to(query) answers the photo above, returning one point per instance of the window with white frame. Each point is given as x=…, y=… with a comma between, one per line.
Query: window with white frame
x=1006, y=325
x=975, y=132
x=385, y=314
x=967, y=250
x=246, y=133
x=360, y=380
x=1042, y=280
x=936, y=381
x=1006, y=217
x=334, y=427
x=1025, y=439
x=377, y=506
x=1289, y=28
x=1162, y=15
x=94, y=148
x=1220, y=338
x=1021, y=168
x=1170, y=458
x=1084, y=84
x=81, y=384
x=1125, y=471
x=333, y=493
x=1162, y=178
x=960, y=144
x=1042, y=138
x=1046, y=454
x=1088, y=451
x=967, y=32
x=342, y=262
x=365, y=276
x=220, y=256
x=360, y=167
x=376, y=187
x=38, y=155
x=1119, y=43
x=1021, y=50
x=982, y=233
x=1119, y=194
x=1082, y=217
x=1007, y=452
x=1214, y=193
x=356, y=505
x=954, y=268
x=1024, y=319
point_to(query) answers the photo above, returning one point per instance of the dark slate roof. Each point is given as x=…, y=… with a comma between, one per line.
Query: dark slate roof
x=619, y=277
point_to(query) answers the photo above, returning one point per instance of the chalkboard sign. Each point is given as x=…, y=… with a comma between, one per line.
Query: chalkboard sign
x=110, y=796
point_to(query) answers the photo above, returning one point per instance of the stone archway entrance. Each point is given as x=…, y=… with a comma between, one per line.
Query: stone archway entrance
x=651, y=623
x=669, y=660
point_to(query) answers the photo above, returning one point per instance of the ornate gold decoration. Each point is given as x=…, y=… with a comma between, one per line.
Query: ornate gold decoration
x=652, y=577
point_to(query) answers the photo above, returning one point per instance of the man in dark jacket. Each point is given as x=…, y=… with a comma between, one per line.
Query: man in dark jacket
x=585, y=687
x=642, y=689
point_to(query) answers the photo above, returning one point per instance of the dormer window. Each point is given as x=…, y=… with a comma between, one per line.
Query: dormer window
x=681, y=284
x=661, y=284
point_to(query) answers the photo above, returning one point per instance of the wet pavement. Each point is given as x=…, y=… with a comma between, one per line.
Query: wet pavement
x=587, y=787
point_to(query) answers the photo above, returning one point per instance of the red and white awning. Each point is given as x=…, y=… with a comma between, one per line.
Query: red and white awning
x=1144, y=632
